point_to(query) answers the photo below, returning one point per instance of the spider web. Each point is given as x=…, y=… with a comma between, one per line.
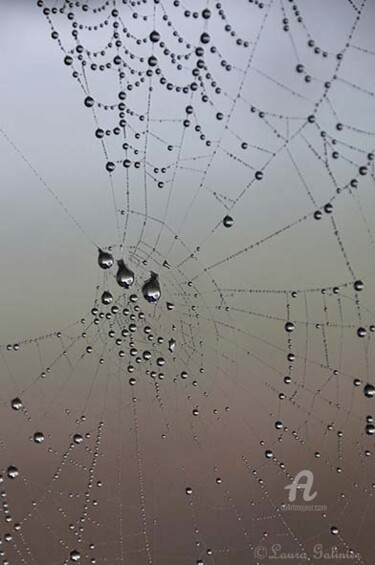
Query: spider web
x=230, y=148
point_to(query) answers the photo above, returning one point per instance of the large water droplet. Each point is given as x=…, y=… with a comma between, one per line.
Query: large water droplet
x=75, y=555
x=12, y=472
x=361, y=332
x=151, y=289
x=105, y=259
x=124, y=275
x=369, y=390
x=16, y=403
x=38, y=437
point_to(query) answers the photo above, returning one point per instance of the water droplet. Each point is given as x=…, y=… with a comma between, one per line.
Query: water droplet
x=370, y=429
x=12, y=472
x=151, y=289
x=334, y=530
x=369, y=390
x=172, y=345
x=38, y=437
x=89, y=101
x=155, y=36
x=361, y=332
x=170, y=306
x=358, y=286
x=106, y=297
x=152, y=61
x=228, y=221
x=105, y=259
x=205, y=38
x=16, y=403
x=75, y=555
x=77, y=438
x=124, y=275
x=289, y=327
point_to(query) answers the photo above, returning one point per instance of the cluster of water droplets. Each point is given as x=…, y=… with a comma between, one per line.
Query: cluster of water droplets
x=125, y=278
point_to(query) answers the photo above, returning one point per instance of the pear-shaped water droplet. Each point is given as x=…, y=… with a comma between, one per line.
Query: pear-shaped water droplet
x=151, y=289
x=107, y=297
x=105, y=259
x=124, y=275
x=171, y=345
x=166, y=264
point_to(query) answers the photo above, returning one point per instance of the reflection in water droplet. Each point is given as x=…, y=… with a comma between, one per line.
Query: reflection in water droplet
x=105, y=259
x=124, y=275
x=151, y=289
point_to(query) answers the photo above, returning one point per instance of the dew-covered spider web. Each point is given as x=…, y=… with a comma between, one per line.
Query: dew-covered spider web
x=187, y=306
